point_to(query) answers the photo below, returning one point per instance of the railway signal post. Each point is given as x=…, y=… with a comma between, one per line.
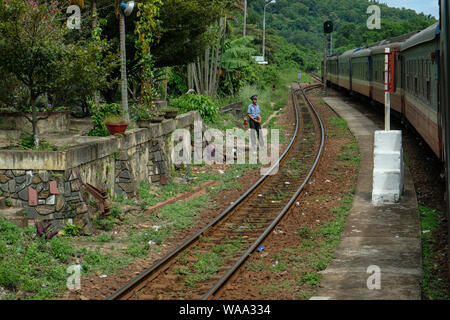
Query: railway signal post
x=327, y=29
x=388, y=151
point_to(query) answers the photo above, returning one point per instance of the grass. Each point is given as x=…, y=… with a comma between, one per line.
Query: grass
x=338, y=123
x=311, y=278
x=350, y=154
x=275, y=286
x=433, y=287
x=207, y=263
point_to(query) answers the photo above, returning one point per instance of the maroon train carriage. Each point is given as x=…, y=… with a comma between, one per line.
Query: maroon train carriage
x=344, y=66
x=361, y=61
x=420, y=64
x=332, y=70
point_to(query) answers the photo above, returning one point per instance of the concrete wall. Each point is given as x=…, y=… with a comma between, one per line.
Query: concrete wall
x=58, y=121
x=235, y=108
x=46, y=183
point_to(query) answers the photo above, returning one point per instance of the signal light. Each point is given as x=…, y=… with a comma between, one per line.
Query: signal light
x=328, y=27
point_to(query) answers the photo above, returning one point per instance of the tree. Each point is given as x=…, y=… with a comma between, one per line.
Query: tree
x=35, y=50
x=182, y=34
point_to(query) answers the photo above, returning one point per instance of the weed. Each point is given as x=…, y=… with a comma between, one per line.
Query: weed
x=256, y=266
x=104, y=237
x=72, y=229
x=432, y=286
x=311, y=278
x=338, y=123
x=304, y=232
x=138, y=250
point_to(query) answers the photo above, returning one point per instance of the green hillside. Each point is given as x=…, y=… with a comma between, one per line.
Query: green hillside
x=300, y=23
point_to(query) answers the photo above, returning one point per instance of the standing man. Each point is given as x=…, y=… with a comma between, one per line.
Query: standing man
x=255, y=121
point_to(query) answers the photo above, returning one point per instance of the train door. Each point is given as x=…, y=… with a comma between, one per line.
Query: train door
x=351, y=73
x=403, y=71
x=440, y=113
x=370, y=77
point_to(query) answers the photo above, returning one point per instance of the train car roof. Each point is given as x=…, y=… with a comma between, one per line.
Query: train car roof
x=381, y=49
x=426, y=35
x=361, y=53
x=347, y=53
x=403, y=37
x=333, y=57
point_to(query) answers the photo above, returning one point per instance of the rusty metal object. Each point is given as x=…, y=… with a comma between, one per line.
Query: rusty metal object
x=102, y=198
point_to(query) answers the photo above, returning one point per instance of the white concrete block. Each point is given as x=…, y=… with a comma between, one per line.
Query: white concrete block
x=388, y=167
x=387, y=141
x=387, y=161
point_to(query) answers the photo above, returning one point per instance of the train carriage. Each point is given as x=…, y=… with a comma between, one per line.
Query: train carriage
x=420, y=60
x=361, y=62
x=378, y=75
x=332, y=70
x=344, y=67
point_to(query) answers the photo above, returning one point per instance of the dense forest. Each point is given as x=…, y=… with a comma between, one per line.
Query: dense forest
x=300, y=24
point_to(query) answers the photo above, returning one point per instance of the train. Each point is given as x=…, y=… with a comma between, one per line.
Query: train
x=416, y=84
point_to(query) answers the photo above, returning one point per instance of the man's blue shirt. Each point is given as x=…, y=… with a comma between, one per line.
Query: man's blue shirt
x=254, y=111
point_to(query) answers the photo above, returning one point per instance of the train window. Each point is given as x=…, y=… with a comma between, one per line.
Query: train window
x=429, y=91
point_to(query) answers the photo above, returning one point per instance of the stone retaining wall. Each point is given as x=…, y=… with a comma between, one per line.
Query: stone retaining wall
x=46, y=185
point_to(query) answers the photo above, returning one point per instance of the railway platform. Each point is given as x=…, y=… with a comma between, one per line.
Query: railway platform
x=385, y=239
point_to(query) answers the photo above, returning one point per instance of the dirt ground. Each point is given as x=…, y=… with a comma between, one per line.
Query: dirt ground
x=328, y=185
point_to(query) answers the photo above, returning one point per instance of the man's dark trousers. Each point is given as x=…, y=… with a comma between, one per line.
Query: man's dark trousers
x=256, y=126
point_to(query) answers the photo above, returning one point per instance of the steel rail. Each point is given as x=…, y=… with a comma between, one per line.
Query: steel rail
x=132, y=284
x=222, y=281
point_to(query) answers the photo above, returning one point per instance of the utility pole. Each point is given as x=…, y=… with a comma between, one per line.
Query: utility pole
x=123, y=67
x=245, y=17
x=94, y=26
x=124, y=9
x=264, y=29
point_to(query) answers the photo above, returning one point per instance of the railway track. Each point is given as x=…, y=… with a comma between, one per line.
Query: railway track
x=201, y=266
x=316, y=77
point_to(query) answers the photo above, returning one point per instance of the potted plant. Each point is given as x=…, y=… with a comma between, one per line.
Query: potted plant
x=156, y=117
x=169, y=113
x=116, y=124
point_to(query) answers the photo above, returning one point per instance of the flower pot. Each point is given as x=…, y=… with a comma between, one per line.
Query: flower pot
x=143, y=123
x=170, y=114
x=114, y=128
x=157, y=119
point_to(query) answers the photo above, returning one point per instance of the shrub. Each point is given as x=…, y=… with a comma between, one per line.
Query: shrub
x=104, y=224
x=72, y=229
x=207, y=108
